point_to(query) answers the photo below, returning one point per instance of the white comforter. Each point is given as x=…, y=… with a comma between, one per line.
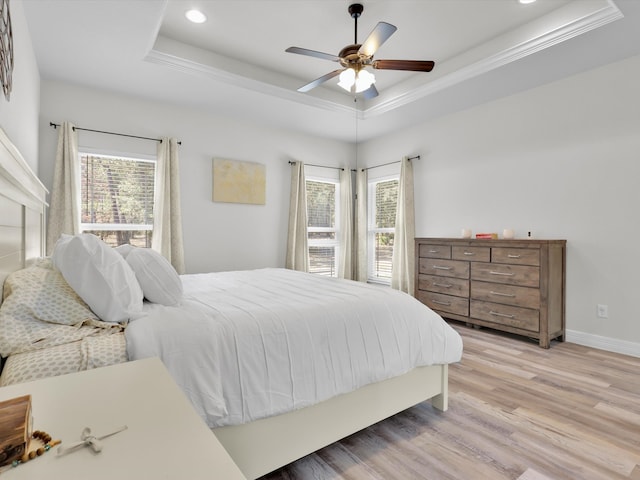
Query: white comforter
x=249, y=344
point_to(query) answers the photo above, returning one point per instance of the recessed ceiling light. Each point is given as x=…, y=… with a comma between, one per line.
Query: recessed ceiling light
x=196, y=16
x=525, y=2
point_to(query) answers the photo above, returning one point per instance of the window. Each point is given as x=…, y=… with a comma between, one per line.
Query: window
x=116, y=198
x=322, y=218
x=383, y=199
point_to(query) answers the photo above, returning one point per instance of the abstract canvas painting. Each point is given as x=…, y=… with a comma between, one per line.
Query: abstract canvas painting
x=235, y=181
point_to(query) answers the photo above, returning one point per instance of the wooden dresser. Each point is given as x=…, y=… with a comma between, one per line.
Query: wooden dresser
x=512, y=285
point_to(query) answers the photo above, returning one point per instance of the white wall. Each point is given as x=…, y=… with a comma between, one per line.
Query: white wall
x=561, y=161
x=19, y=115
x=217, y=236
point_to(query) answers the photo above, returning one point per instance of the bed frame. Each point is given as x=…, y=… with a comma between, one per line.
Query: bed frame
x=264, y=445
x=258, y=447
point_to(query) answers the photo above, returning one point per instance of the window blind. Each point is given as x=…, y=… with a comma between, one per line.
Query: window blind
x=117, y=196
x=381, y=234
x=321, y=227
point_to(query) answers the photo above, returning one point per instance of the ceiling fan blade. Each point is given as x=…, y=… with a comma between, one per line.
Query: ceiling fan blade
x=370, y=92
x=412, y=65
x=377, y=37
x=318, y=81
x=313, y=53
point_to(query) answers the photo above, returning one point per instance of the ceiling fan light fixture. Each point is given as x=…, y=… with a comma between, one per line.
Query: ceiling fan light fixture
x=347, y=79
x=364, y=80
x=355, y=57
x=361, y=80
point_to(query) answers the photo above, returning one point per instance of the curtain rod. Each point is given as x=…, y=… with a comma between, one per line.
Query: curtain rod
x=417, y=157
x=56, y=125
x=320, y=166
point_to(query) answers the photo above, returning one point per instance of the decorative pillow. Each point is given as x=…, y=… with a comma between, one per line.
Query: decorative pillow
x=159, y=280
x=100, y=275
x=41, y=310
x=44, y=292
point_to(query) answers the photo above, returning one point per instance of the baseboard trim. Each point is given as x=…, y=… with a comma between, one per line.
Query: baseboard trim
x=603, y=343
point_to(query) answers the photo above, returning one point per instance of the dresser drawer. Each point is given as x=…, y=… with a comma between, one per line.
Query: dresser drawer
x=445, y=303
x=507, y=294
x=444, y=268
x=471, y=254
x=522, y=275
x=524, y=318
x=447, y=285
x=435, y=251
x=516, y=256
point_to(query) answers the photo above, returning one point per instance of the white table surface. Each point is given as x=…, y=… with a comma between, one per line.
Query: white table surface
x=165, y=439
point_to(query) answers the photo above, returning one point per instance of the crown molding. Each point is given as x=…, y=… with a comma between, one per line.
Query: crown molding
x=202, y=68
x=563, y=24
x=584, y=22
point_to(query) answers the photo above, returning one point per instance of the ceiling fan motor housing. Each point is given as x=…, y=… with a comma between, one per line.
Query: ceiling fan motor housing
x=350, y=58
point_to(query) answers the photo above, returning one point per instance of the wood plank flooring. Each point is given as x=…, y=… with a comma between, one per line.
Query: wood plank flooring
x=516, y=412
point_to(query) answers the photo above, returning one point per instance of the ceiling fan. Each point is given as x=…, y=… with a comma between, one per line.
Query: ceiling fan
x=355, y=58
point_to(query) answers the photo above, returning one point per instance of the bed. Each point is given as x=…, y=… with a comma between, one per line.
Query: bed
x=302, y=413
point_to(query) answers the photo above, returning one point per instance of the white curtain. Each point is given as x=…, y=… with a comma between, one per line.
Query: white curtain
x=297, y=245
x=167, y=216
x=64, y=211
x=345, y=262
x=361, y=229
x=402, y=263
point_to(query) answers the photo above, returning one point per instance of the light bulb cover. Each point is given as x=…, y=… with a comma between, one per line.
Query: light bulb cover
x=364, y=80
x=347, y=79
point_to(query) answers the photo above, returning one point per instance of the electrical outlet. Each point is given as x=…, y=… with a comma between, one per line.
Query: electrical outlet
x=602, y=311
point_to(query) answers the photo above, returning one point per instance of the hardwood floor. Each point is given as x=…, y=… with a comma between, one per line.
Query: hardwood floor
x=516, y=411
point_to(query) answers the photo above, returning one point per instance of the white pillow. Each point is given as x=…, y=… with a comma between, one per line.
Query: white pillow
x=159, y=280
x=100, y=276
x=124, y=249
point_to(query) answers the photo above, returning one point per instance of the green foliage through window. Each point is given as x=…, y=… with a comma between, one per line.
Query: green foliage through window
x=117, y=198
x=383, y=196
x=321, y=227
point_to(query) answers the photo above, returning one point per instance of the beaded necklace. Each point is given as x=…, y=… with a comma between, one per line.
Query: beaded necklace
x=47, y=444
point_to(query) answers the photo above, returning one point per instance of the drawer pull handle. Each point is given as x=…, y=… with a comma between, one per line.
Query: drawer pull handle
x=500, y=294
x=433, y=251
x=511, y=255
x=469, y=253
x=445, y=285
x=506, y=274
x=438, y=302
x=440, y=267
x=498, y=314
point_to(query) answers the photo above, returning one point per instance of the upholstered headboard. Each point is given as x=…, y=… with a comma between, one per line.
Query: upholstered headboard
x=22, y=210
